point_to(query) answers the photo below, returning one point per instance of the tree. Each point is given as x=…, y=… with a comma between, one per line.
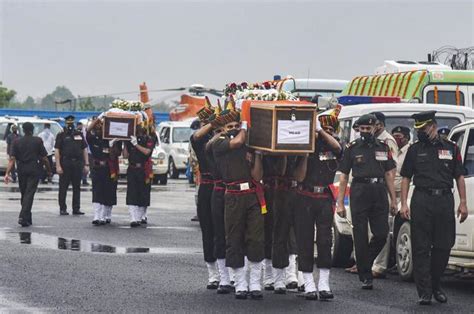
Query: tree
x=86, y=105
x=6, y=95
x=61, y=93
x=29, y=102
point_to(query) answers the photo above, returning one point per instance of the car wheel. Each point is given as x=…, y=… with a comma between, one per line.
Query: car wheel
x=163, y=179
x=172, y=170
x=404, y=253
x=342, y=249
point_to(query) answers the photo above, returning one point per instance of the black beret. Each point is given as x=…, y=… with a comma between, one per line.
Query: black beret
x=380, y=116
x=69, y=119
x=366, y=119
x=423, y=118
x=402, y=129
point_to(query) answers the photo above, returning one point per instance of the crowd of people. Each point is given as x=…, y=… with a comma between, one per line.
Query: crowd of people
x=258, y=211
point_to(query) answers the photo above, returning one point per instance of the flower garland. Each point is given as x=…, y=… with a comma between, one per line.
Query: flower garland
x=128, y=105
x=266, y=91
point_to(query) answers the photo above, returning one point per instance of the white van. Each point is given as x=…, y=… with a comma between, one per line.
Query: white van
x=5, y=124
x=174, y=137
x=396, y=114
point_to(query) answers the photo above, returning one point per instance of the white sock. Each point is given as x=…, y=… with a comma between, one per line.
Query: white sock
x=143, y=212
x=223, y=272
x=291, y=269
x=267, y=272
x=240, y=279
x=300, y=279
x=102, y=212
x=280, y=275
x=323, y=284
x=213, y=273
x=97, y=210
x=108, y=212
x=132, y=210
x=309, y=285
x=231, y=274
x=255, y=276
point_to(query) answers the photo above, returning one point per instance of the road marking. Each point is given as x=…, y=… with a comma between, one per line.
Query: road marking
x=9, y=306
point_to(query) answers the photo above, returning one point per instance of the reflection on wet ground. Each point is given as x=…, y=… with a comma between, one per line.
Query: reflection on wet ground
x=58, y=243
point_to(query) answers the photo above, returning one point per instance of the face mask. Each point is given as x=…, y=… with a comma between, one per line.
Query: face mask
x=423, y=137
x=367, y=137
x=400, y=142
x=70, y=128
x=233, y=133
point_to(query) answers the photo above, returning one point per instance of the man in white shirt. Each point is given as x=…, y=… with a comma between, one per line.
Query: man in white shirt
x=48, y=142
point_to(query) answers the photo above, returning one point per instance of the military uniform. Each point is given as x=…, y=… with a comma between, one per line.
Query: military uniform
x=104, y=173
x=71, y=144
x=28, y=152
x=139, y=179
x=244, y=223
x=206, y=187
x=369, y=161
x=433, y=166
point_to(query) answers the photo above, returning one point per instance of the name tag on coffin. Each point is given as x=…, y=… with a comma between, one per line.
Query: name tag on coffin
x=445, y=154
x=381, y=156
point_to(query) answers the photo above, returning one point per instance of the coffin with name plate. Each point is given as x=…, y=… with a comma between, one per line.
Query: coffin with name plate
x=280, y=127
x=119, y=126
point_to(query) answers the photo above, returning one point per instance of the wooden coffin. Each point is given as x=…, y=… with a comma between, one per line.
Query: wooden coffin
x=119, y=126
x=282, y=127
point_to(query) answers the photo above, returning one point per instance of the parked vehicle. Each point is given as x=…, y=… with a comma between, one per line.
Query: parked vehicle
x=174, y=137
x=5, y=124
x=427, y=82
x=160, y=165
x=396, y=114
x=306, y=89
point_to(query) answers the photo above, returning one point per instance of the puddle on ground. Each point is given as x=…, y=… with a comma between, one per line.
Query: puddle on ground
x=58, y=243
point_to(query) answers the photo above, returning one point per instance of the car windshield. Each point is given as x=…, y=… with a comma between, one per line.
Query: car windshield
x=391, y=122
x=181, y=134
x=39, y=126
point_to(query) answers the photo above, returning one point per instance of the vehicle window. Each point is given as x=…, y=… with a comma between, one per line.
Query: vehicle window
x=393, y=121
x=445, y=97
x=345, y=132
x=181, y=134
x=469, y=155
x=165, y=134
x=3, y=130
x=458, y=138
x=39, y=126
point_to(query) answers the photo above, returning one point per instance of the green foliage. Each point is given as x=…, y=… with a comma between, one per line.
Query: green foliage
x=61, y=93
x=6, y=95
x=86, y=105
x=29, y=102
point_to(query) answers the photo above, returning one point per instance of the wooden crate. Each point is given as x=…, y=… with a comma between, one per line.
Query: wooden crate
x=282, y=127
x=120, y=127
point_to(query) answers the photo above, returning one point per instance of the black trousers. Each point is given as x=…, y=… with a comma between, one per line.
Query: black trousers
x=104, y=188
x=28, y=184
x=243, y=229
x=369, y=205
x=433, y=233
x=72, y=173
x=308, y=212
x=291, y=198
x=45, y=173
x=205, y=221
x=218, y=222
x=138, y=191
x=268, y=222
x=281, y=229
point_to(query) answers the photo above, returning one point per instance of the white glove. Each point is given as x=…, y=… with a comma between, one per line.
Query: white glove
x=112, y=142
x=101, y=116
x=133, y=140
x=244, y=125
x=318, y=125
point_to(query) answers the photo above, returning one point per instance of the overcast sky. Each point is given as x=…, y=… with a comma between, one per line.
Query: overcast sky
x=97, y=47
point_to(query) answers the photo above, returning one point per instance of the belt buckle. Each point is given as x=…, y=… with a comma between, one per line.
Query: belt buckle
x=373, y=180
x=244, y=186
x=436, y=192
x=294, y=183
x=318, y=189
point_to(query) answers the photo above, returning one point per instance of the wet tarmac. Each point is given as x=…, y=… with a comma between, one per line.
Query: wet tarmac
x=59, y=243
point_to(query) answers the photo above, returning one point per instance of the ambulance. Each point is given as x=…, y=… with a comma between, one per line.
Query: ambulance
x=424, y=82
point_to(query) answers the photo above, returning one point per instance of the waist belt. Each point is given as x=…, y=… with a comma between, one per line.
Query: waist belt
x=277, y=183
x=240, y=186
x=219, y=185
x=314, y=191
x=244, y=187
x=368, y=180
x=138, y=165
x=435, y=192
x=292, y=184
x=206, y=178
